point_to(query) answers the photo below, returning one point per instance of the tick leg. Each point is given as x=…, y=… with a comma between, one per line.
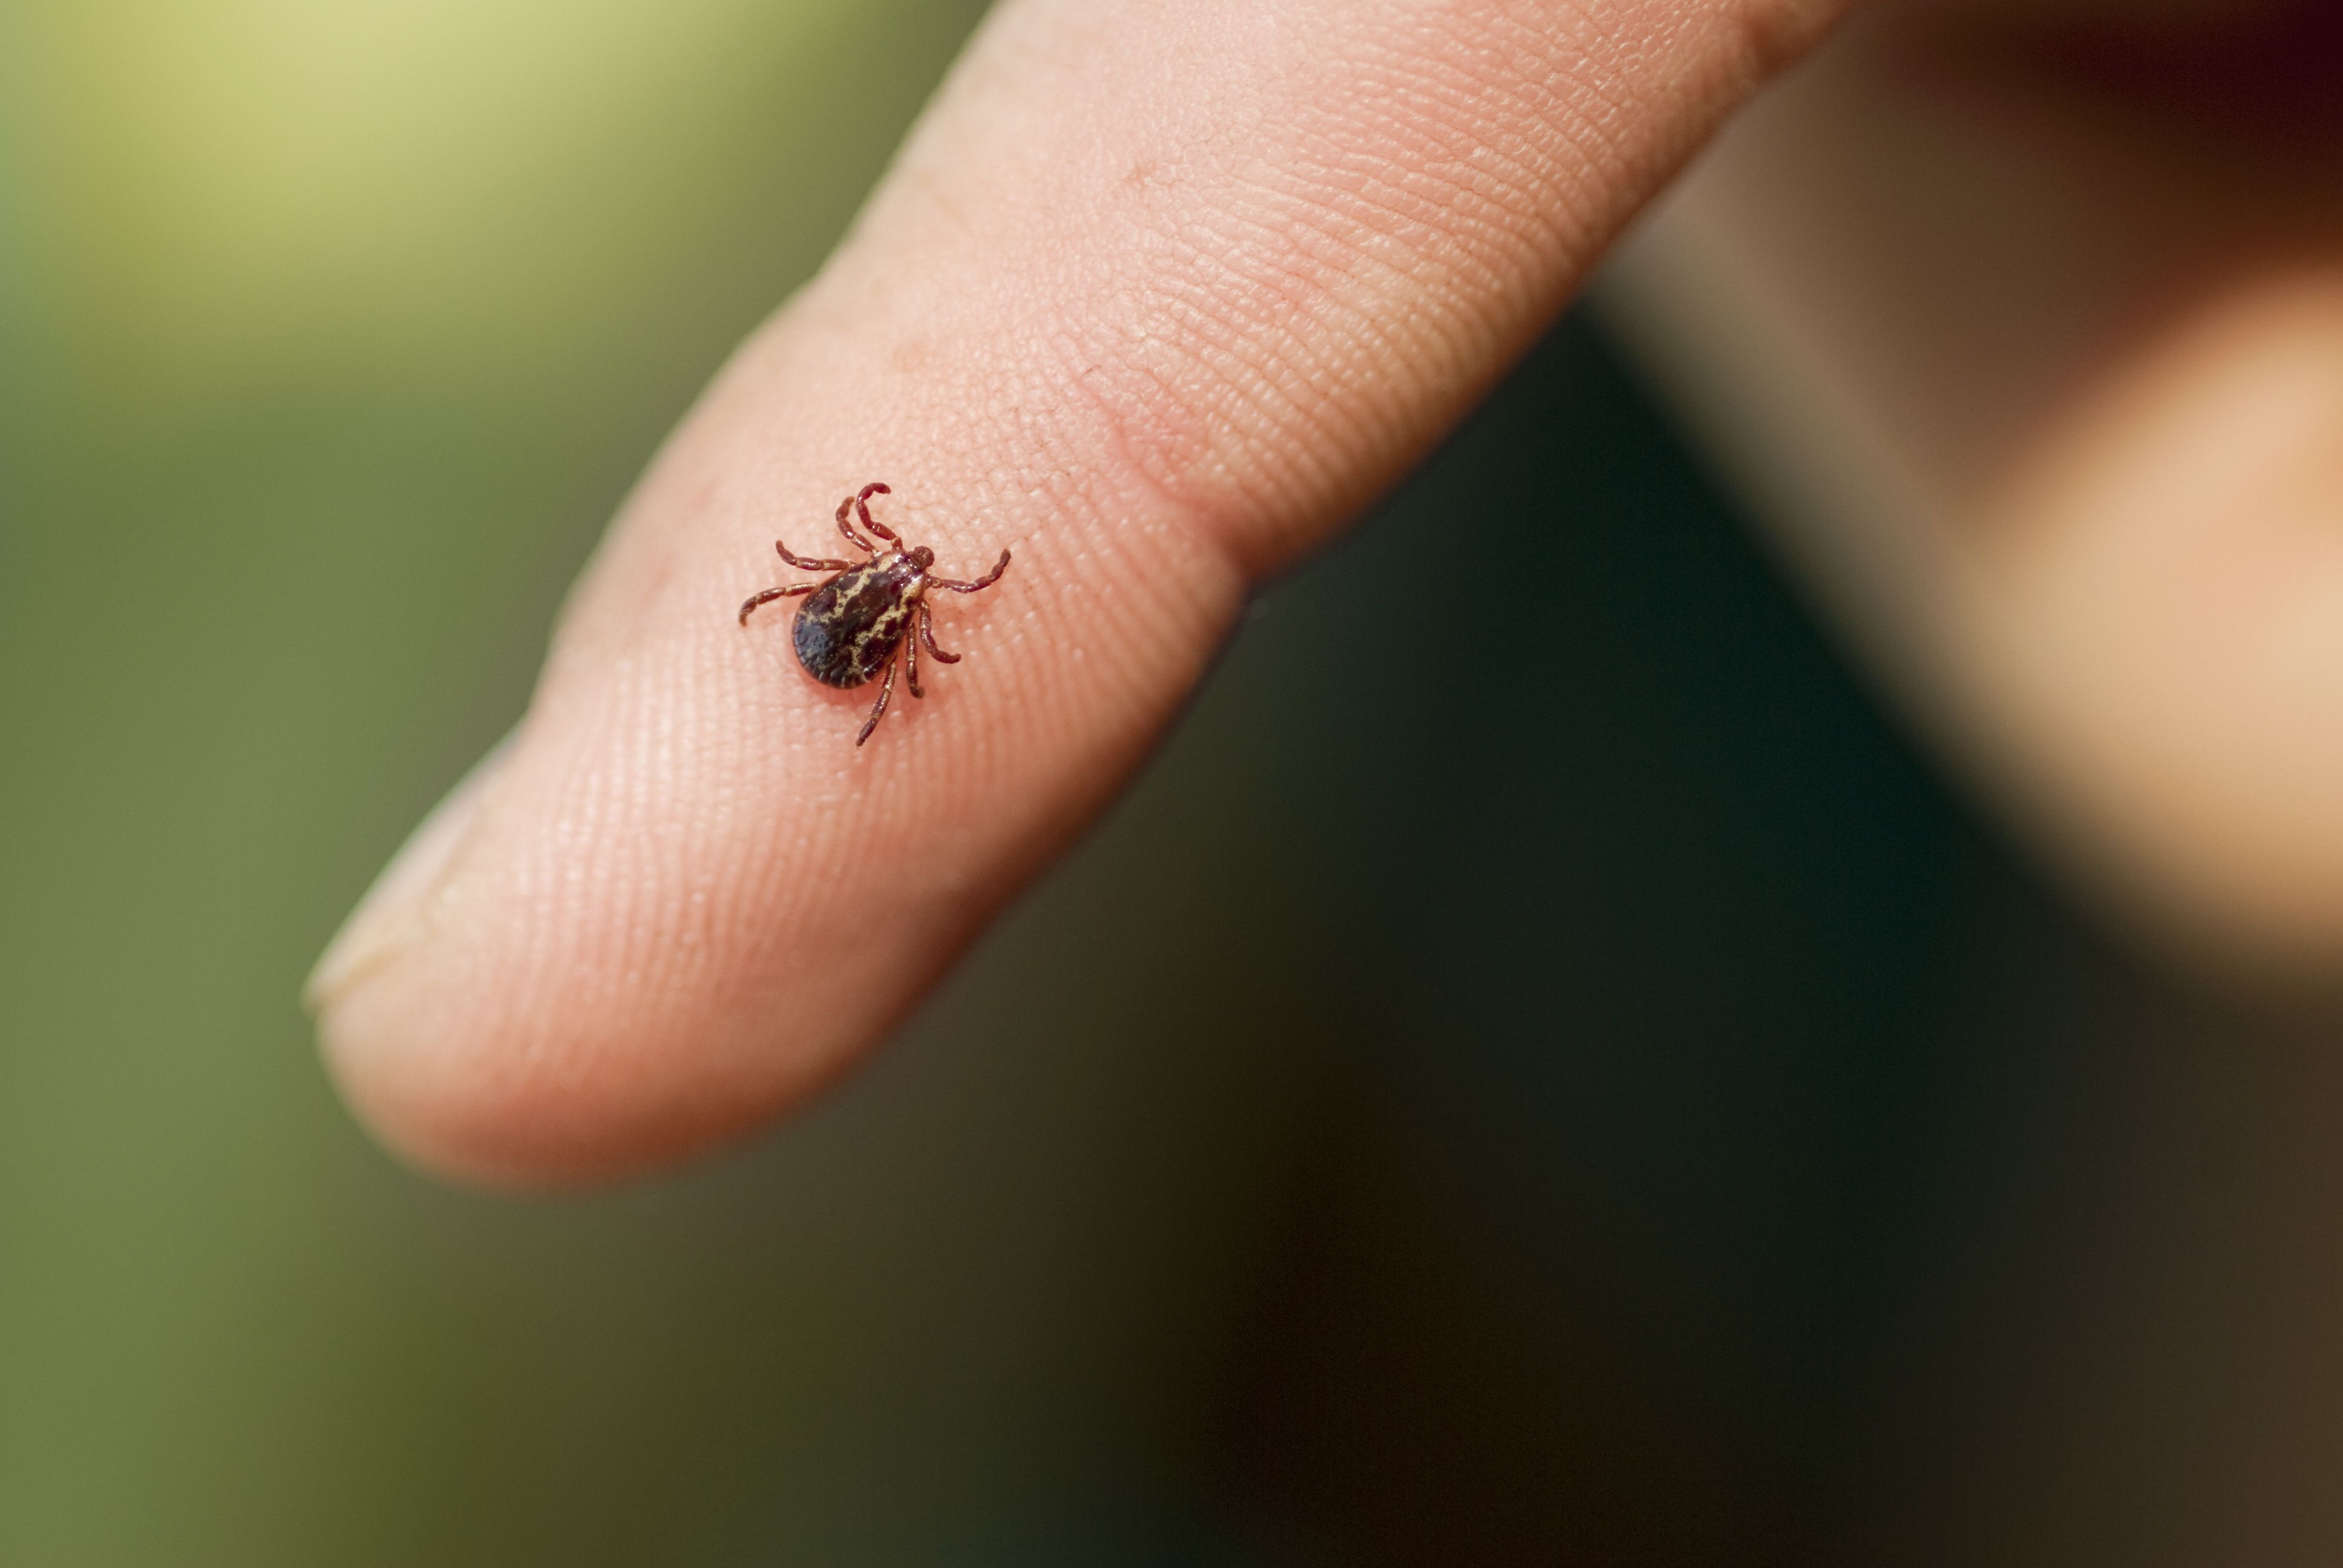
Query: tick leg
x=862, y=503
x=928, y=635
x=911, y=663
x=862, y=510
x=986, y=582
x=846, y=527
x=886, y=690
x=807, y=563
x=770, y=594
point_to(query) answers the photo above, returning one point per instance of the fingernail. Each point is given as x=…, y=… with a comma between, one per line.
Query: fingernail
x=394, y=913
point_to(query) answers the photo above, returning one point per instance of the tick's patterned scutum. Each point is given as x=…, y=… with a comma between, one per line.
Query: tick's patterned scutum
x=849, y=627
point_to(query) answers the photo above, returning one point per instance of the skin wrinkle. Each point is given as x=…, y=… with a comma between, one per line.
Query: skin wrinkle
x=1290, y=422
x=1475, y=184
x=1184, y=459
x=1467, y=142
x=1457, y=335
x=1407, y=252
x=1275, y=352
x=1236, y=375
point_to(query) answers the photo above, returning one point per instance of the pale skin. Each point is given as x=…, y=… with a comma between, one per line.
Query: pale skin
x=1158, y=295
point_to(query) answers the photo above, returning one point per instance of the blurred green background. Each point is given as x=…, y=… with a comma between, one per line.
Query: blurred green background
x=1620, y=1112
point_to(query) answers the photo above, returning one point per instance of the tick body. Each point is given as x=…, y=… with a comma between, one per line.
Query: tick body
x=857, y=624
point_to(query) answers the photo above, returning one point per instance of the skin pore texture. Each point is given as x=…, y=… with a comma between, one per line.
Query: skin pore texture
x=1159, y=297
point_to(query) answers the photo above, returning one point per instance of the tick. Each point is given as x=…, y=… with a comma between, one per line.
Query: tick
x=855, y=622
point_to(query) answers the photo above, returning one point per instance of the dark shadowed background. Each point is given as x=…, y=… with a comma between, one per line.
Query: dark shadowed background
x=1574, y=1087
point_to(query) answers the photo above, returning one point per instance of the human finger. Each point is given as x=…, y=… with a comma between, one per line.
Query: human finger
x=1155, y=298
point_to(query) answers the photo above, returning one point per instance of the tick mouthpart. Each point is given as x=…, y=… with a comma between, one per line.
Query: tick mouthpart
x=922, y=558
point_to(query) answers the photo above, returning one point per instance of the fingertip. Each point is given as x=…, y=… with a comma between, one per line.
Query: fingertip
x=511, y=1088
x=436, y=1121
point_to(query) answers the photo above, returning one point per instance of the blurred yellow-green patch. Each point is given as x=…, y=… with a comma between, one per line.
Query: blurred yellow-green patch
x=247, y=186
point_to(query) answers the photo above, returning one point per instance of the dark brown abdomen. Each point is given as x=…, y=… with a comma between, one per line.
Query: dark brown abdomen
x=847, y=628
